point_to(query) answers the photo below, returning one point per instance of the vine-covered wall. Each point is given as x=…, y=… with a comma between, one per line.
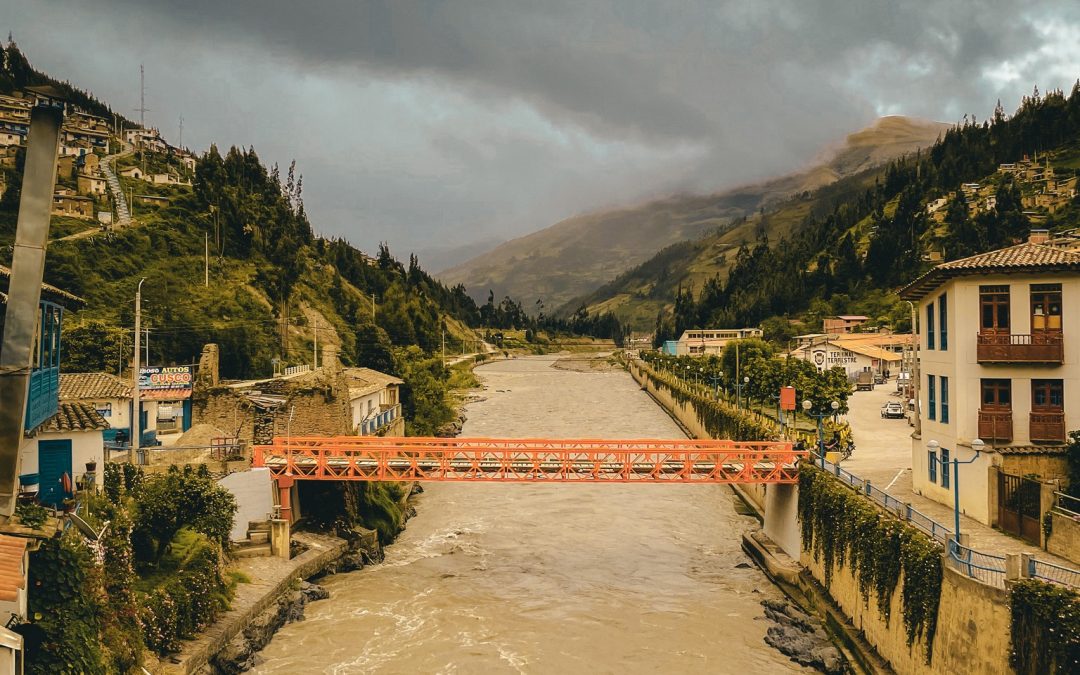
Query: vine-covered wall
x=718, y=419
x=1045, y=629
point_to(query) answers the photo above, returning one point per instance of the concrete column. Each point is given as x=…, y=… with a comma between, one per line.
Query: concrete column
x=280, y=536
x=1014, y=570
x=782, y=518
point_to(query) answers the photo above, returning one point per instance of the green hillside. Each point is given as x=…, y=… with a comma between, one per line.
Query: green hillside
x=846, y=247
x=579, y=254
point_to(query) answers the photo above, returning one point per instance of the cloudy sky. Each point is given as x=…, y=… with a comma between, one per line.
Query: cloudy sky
x=433, y=124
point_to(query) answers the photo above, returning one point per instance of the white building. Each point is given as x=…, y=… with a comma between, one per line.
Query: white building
x=999, y=343
x=374, y=399
x=110, y=396
x=700, y=342
x=854, y=356
x=62, y=450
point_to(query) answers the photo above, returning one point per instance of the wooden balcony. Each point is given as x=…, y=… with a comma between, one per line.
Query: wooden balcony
x=995, y=425
x=1047, y=427
x=1035, y=348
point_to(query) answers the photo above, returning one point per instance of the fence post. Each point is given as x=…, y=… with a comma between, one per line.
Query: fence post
x=907, y=511
x=866, y=487
x=1027, y=565
x=1015, y=568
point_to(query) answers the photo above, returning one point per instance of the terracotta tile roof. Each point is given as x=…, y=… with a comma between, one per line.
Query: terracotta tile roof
x=81, y=386
x=1031, y=449
x=12, y=572
x=57, y=295
x=74, y=417
x=1026, y=257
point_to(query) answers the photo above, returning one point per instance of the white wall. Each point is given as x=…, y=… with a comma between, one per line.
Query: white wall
x=360, y=407
x=254, y=495
x=86, y=446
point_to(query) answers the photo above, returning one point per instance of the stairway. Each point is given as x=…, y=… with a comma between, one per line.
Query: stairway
x=123, y=215
x=257, y=543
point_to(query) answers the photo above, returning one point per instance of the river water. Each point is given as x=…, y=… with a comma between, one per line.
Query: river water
x=549, y=578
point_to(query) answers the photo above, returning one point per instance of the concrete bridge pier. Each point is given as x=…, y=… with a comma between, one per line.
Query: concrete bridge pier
x=782, y=518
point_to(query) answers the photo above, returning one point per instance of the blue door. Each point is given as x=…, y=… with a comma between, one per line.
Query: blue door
x=54, y=460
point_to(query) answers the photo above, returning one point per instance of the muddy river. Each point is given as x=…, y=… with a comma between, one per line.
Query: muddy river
x=549, y=578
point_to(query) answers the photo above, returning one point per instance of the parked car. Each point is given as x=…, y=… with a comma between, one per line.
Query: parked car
x=892, y=410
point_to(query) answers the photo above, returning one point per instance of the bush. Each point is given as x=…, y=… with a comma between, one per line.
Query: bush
x=177, y=499
x=1045, y=628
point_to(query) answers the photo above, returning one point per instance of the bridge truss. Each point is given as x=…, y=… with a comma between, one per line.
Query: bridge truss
x=532, y=460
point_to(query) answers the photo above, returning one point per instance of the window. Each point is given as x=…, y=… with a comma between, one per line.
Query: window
x=931, y=397
x=944, y=400
x=997, y=394
x=1046, y=308
x=944, y=468
x=931, y=466
x=1047, y=396
x=943, y=322
x=994, y=309
x=930, y=326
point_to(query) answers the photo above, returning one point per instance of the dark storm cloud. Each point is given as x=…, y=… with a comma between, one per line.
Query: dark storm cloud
x=468, y=119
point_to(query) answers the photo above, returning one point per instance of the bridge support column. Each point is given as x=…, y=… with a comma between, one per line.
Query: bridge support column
x=284, y=485
x=782, y=518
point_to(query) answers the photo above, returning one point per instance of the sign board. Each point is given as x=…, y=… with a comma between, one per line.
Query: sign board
x=165, y=383
x=787, y=398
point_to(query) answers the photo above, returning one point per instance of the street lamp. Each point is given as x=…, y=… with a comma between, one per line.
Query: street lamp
x=977, y=445
x=808, y=406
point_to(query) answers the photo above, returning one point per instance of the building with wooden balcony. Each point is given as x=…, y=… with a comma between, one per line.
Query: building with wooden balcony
x=999, y=355
x=63, y=441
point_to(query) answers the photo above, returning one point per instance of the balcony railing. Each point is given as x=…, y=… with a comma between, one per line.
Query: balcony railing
x=44, y=395
x=1047, y=427
x=373, y=425
x=1008, y=348
x=995, y=425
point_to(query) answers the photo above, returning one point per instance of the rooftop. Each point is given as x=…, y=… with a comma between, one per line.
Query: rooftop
x=76, y=386
x=12, y=574
x=364, y=381
x=1026, y=257
x=74, y=416
x=52, y=292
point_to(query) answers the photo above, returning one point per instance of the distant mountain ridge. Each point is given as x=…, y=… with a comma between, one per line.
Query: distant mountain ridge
x=576, y=256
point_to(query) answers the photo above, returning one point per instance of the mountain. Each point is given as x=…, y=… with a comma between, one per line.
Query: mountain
x=845, y=248
x=577, y=255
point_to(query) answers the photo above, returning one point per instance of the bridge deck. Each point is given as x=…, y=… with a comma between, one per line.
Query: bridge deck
x=529, y=460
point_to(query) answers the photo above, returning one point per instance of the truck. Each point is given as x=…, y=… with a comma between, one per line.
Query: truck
x=864, y=381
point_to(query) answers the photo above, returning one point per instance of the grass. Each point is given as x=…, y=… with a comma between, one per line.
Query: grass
x=182, y=549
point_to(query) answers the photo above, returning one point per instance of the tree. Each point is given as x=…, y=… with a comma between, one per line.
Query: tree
x=177, y=499
x=373, y=349
x=94, y=346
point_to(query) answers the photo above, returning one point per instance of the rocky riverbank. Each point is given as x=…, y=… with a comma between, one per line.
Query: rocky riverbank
x=803, y=638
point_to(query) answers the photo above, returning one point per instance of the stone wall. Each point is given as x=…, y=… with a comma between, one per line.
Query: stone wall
x=972, y=632
x=1064, y=539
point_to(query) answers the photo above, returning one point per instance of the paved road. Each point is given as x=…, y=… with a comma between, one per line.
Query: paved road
x=883, y=455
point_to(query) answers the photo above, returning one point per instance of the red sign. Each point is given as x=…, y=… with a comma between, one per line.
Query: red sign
x=787, y=398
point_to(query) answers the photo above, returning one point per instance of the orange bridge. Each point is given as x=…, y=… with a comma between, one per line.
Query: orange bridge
x=526, y=460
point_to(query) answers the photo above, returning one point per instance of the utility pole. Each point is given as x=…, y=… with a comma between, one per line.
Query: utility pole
x=180, y=139
x=442, y=332
x=206, y=259
x=372, y=308
x=315, y=349
x=136, y=398
x=146, y=332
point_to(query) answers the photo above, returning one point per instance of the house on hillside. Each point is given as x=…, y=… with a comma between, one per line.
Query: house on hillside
x=375, y=401
x=63, y=443
x=999, y=342
x=133, y=172
x=704, y=341
x=65, y=203
x=843, y=323
x=91, y=186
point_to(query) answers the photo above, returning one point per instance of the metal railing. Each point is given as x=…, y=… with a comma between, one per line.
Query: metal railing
x=986, y=567
x=1046, y=571
x=1066, y=505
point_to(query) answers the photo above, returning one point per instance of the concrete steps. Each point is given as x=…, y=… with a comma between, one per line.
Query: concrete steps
x=123, y=213
x=257, y=543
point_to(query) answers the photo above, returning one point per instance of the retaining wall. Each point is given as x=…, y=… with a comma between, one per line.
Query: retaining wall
x=973, y=626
